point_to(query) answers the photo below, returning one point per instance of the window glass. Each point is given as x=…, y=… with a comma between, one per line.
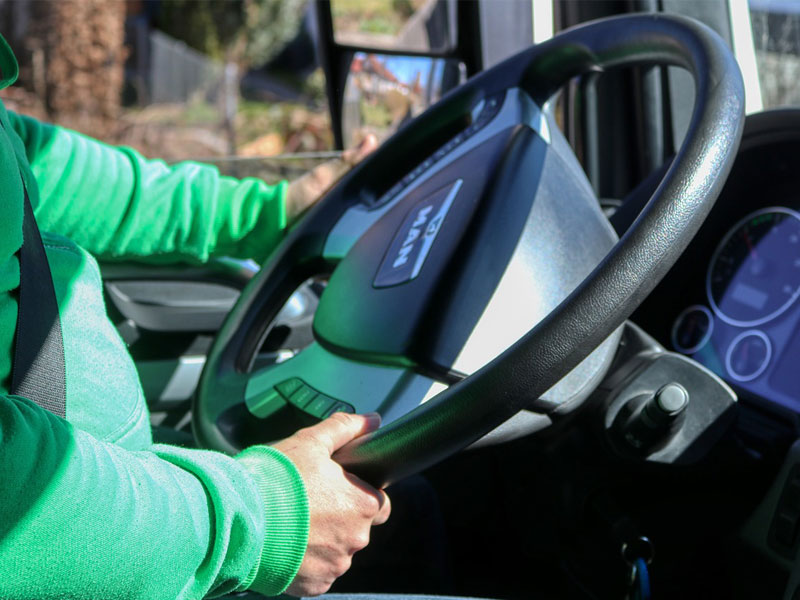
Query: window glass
x=224, y=81
x=404, y=25
x=776, y=36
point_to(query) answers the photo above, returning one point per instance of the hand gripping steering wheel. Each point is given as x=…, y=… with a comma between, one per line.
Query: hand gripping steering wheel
x=468, y=255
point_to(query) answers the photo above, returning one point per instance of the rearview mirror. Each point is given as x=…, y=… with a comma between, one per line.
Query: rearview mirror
x=384, y=91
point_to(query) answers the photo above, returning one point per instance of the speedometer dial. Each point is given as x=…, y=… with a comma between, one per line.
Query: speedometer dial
x=755, y=273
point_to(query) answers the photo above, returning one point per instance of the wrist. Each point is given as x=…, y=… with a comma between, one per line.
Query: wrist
x=304, y=191
x=286, y=519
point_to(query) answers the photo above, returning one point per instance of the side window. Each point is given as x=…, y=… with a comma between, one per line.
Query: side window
x=776, y=36
x=228, y=82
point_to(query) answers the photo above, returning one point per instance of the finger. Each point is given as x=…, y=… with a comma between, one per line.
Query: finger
x=349, y=156
x=385, y=509
x=377, y=498
x=367, y=145
x=353, y=156
x=341, y=428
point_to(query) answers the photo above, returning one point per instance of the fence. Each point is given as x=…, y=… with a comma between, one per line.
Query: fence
x=177, y=71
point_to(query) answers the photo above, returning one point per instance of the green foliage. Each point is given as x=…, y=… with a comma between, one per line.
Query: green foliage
x=372, y=16
x=314, y=88
x=404, y=8
x=375, y=115
x=377, y=25
x=247, y=32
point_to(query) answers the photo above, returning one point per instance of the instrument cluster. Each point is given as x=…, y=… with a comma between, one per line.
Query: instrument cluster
x=732, y=302
x=747, y=331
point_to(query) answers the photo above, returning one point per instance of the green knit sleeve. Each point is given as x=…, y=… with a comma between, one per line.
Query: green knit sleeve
x=286, y=512
x=81, y=518
x=119, y=205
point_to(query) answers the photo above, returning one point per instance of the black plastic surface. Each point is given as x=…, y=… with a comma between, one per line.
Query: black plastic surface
x=683, y=441
x=358, y=320
x=406, y=255
x=628, y=274
x=491, y=106
x=783, y=532
x=173, y=305
x=463, y=413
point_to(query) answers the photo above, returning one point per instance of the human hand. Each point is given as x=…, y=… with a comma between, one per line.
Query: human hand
x=342, y=507
x=304, y=191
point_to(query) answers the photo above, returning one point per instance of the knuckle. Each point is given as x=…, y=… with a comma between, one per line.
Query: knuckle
x=341, y=565
x=373, y=505
x=360, y=540
x=367, y=506
x=341, y=418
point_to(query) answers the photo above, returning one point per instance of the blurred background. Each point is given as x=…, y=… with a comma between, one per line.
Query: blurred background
x=225, y=81
x=239, y=82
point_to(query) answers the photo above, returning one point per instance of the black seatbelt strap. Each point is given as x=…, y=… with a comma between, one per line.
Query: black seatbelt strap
x=38, y=371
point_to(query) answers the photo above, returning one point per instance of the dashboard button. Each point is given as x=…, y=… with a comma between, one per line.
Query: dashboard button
x=303, y=396
x=289, y=387
x=320, y=406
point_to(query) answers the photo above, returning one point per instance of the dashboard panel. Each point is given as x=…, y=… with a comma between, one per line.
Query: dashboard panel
x=732, y=302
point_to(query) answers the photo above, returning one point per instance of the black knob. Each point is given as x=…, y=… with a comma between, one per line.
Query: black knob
x=653, y=419
x=667, y=405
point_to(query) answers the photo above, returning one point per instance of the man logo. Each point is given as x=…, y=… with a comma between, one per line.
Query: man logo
x=433, y=226
x=415, y=236
x=412, y=236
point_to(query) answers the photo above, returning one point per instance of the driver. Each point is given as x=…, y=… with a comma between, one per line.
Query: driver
x=89, y=506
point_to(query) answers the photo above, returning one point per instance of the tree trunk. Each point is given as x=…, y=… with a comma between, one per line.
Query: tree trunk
x=80, y=44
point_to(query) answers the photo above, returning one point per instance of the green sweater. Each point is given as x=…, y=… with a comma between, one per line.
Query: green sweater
x=89, y=506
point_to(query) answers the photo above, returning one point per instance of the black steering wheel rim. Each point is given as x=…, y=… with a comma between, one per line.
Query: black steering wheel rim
x=462, y=413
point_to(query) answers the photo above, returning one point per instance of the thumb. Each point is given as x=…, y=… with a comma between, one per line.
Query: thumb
x=341, y=428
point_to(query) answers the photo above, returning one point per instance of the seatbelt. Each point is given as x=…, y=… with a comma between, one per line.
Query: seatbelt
x=38, y=372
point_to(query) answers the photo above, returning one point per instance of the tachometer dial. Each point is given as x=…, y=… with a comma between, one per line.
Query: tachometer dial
x=755, y=273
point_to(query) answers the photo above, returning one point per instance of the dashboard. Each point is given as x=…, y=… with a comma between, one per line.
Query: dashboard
x=732, y=302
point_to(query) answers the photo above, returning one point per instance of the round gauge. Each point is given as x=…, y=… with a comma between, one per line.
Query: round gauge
x=748, y=355
x=754, y=274
x=692, y=329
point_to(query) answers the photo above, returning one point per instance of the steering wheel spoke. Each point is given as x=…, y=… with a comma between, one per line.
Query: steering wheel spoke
x=319, y=383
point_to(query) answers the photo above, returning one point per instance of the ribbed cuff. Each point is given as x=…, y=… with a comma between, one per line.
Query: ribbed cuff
x=286, y=526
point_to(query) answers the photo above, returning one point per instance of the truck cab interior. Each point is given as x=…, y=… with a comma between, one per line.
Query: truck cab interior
x=570, y=287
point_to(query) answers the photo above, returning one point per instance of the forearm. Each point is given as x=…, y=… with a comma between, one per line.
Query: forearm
x=87, y=519
x=119, y=205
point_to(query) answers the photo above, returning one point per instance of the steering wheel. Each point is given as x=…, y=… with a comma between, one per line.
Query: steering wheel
x=472, y=225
